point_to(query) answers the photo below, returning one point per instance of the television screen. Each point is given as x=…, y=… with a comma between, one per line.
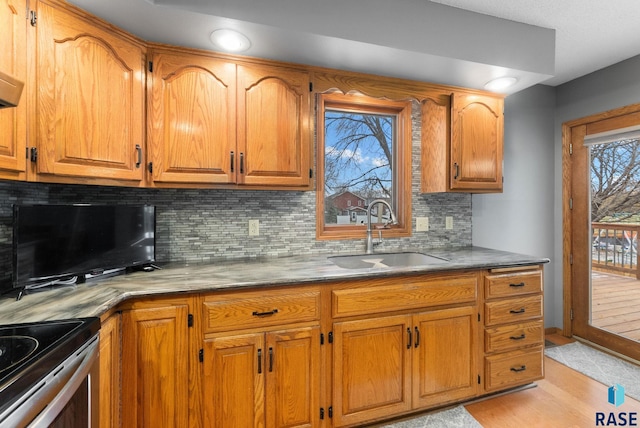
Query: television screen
x=53, y=242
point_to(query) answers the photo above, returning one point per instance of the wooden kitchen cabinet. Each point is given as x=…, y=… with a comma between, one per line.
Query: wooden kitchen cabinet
x=274, y=140
x=462, y=143
x=110, y=366
x=477, y=127
x=390, y=365
x=261, y=359
x=263, y=379
x=155, y=364
x=13, y=61
x=513, y=327
x=214, y=121
x=387, y=365
x=192, y=119
x=89, y=100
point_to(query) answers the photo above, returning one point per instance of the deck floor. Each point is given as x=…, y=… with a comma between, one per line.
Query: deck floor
x=615, y=306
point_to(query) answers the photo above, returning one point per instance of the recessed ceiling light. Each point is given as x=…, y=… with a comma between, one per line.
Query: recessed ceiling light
x=230, y=40
x=500, y=83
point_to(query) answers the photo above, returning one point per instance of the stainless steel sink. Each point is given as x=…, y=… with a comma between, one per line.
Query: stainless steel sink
x=386, y=260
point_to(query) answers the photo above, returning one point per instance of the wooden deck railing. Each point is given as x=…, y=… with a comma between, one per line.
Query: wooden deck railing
x=614, y=248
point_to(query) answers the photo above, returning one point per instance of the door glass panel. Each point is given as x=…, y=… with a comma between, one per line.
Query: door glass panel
x=615, y=222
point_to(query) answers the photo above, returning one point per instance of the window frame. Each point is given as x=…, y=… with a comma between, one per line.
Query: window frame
x=402, y=172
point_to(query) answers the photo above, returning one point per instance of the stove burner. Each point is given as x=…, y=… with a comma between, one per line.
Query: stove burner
x=15, y=349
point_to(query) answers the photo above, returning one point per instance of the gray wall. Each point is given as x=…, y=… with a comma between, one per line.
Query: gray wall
x=603, y=90
x=521, y=218
x=527, y=217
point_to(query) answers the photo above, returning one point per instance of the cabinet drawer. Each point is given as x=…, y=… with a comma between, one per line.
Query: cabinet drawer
x=405, y=293
x=260, y=309
x=512, y=284
x=513, y=310
x=513, y=336
x=513, y=368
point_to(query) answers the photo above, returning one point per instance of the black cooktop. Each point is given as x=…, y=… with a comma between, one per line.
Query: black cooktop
x=29, y=351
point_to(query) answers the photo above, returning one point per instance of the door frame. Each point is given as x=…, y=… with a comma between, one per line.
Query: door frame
x=574, y=155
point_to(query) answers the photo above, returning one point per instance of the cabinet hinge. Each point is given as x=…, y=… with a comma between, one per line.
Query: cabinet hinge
x=570, y=259
x=150, y=66
x=479, y=380
x=321, y=338
x=330, y=412
x=570, y=203
x=330, y=337
x=34, y=18
x=571, y=314
x=321, y=413
x=150, y=167
x=570, y=148
x=190, y=320
x=478, y=316
x=201, y=355
x=33, y=154
x=310, y=173
x=310, y=86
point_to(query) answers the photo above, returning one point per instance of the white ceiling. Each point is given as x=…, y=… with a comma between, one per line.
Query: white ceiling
x=456, y=42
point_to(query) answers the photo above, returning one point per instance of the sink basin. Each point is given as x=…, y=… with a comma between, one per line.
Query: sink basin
x=385, y=260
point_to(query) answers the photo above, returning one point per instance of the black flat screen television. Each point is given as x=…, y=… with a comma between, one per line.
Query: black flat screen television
x=58, y=242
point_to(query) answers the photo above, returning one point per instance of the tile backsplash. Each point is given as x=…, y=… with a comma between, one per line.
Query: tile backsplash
x=204, y=225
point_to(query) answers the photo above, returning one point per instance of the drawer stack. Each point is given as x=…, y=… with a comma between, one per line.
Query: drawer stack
x=513, y=328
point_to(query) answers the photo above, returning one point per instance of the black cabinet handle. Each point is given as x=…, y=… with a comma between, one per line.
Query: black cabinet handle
x=518, y=369
x=457, y=171
x=270, y=360
x=139, y=152
x=519, y=311
x=522, y=336
x=241, y=163
x=517, y=285
x=409, y=338
x=233, y=161
x=259, y=361
x=417, y=338
x=264, y=314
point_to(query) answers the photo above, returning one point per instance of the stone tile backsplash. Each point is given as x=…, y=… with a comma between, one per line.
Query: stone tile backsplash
x=204, y=225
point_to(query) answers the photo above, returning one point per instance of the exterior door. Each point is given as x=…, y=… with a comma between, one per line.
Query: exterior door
x=601, y=221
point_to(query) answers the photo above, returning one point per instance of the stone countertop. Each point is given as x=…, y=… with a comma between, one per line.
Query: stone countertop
x=97, y=296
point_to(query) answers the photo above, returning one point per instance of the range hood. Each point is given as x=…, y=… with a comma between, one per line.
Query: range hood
x=10, y=90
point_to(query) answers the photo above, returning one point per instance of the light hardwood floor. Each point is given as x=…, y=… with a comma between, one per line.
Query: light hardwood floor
x=564, y=398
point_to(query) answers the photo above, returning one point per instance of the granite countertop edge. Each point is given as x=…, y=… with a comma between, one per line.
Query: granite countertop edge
x=97, y=297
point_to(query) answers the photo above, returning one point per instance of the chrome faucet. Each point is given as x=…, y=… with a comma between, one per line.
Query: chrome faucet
x=393, y=220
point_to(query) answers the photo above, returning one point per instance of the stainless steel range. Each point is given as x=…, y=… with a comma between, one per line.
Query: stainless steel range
x=49, y=374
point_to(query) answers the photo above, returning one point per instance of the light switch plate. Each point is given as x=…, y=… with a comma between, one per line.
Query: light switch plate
x=448, y=223
x=422, y=224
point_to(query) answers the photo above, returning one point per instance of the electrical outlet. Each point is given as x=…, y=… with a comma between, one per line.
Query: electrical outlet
x=448, y=223
x=254, y=227
x=422, y=224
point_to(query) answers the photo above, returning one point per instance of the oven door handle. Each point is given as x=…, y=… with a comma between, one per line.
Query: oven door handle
x=88, y=356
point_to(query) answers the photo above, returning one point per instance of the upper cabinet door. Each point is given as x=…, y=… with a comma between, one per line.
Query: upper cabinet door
x=192, y=128
x=13, y=61
x=273, y=126
x=476, y=142
x=90, y=100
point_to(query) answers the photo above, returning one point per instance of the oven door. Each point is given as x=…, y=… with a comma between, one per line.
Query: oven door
x=67, y=397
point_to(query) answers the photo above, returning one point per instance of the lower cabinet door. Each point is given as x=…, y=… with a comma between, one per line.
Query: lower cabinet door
x=372, y=369
x=293, y=378
x=233, y=384
x=445, y=356
x=155, y=367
